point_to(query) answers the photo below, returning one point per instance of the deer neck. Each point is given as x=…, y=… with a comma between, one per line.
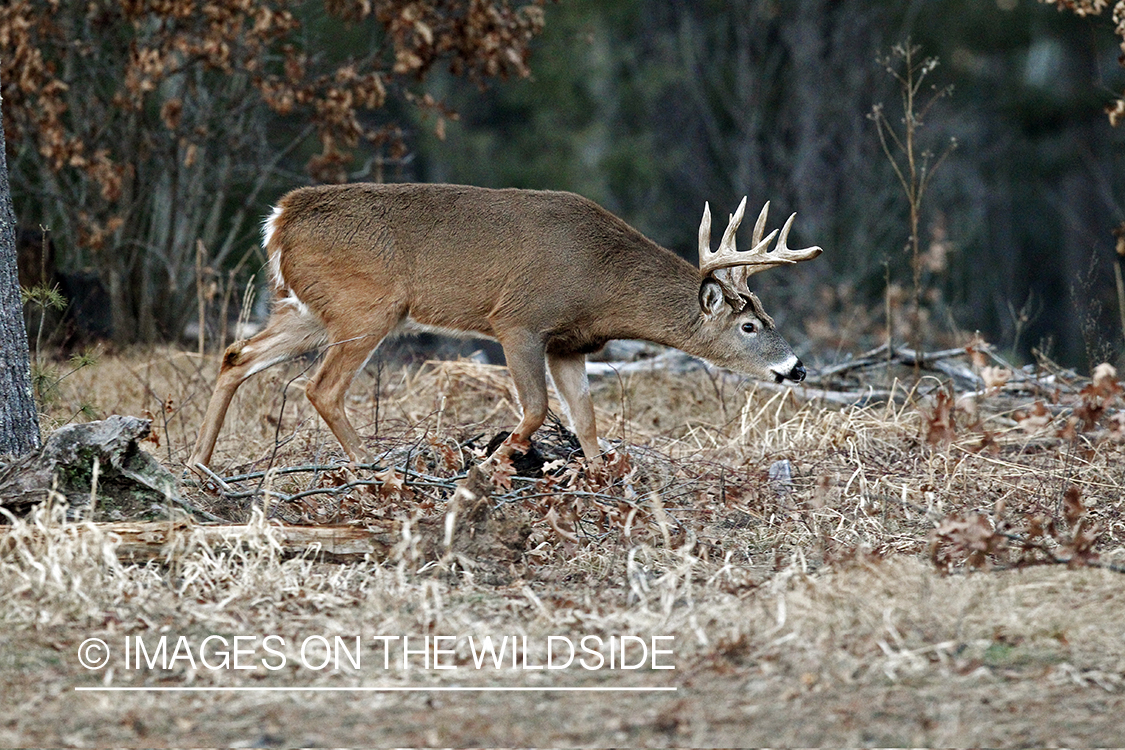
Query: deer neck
x=668, y=312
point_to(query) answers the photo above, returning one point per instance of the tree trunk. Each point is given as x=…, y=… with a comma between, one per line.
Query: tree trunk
x=19, y=419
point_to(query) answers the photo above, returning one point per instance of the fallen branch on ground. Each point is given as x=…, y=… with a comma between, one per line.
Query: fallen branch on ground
x=488, y=541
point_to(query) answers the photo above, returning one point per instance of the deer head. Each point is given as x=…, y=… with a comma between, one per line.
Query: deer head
x=743, y=335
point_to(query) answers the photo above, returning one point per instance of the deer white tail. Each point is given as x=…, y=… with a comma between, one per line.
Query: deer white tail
x=283, y=293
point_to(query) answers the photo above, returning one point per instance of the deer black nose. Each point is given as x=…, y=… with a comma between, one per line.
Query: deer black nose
x=797, y=374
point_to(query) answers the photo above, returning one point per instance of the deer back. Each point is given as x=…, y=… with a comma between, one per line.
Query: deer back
x=475, y=259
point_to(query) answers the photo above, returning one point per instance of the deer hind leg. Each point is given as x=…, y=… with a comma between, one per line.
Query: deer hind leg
x=569, y=375
x=328, y=387
x=288, y=333
x=525, y=353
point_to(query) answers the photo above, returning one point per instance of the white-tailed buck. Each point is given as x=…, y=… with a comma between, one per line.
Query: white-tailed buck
x=551, y=276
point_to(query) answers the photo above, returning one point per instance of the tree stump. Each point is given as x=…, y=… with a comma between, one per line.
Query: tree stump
x=131, y=484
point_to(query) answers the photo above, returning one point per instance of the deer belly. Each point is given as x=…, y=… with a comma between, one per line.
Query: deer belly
x=410, y=324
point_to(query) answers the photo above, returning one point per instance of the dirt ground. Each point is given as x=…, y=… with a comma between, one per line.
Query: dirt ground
x=886, y=654
x=887, y=588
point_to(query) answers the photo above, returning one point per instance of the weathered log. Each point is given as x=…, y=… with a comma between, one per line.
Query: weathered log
x=139, y=542
x=486, y=541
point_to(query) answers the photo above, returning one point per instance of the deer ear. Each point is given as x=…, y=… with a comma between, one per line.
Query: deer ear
x=711, y=298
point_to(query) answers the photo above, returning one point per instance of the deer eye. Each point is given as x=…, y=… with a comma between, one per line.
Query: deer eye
x=749, y=327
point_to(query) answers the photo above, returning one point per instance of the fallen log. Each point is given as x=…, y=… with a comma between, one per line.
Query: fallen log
x=142, y=541
x=485, y=540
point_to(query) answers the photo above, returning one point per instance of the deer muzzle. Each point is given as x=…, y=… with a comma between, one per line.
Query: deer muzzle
x=796, y=372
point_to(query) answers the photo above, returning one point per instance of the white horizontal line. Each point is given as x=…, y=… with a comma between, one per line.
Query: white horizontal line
x=390, y=689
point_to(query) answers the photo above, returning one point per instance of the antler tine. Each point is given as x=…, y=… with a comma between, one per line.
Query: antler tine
x=705, y=234
x=784, y=254
x=760, y=245
x=727, y=255
x=733, y=222
x=760, y=225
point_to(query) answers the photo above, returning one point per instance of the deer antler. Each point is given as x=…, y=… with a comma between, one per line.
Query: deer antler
x=740, y=265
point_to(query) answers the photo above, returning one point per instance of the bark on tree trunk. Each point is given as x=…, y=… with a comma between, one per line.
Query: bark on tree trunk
x=19, y=419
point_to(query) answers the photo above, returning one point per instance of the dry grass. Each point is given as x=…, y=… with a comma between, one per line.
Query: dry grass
x=805, y=609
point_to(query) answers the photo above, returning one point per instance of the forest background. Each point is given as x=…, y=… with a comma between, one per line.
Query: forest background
x=148, y=137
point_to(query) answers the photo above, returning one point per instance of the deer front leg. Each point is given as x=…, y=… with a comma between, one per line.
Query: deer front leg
x=569, y=374
x=525, y=353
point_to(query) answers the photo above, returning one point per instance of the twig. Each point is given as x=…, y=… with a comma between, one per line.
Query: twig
x=884, y=355
x=218, y=480
x=190, y=508
x=309, y=468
